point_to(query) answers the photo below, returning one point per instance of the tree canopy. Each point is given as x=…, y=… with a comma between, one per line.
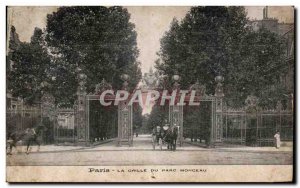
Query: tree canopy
x=212, y=41
x=29, y=67
x=157, y=117
x=100, y=41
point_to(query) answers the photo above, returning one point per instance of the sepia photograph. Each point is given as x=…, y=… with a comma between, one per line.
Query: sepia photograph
x=150, y=94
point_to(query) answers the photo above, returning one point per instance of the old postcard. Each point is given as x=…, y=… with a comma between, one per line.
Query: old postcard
x=150, y=94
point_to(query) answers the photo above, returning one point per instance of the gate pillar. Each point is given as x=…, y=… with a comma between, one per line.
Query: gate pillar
x=176, y=119
x=176, y=112
x=217, y=129
x=82, y=112
x=125, y=132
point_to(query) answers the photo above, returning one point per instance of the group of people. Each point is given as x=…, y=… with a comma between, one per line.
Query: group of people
x=165, y=134
x=159, y=132
x=159, y=135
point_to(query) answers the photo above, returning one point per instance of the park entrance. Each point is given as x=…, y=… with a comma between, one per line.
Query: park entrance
x=97, y=123
x=208, y=123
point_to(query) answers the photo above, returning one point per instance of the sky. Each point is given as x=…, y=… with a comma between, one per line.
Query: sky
x=150, y=24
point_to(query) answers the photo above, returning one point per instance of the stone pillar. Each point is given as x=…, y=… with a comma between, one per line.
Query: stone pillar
x=176, y=119
x=82, y=112
x=217, y=130
x=176, y=112
x=125, y=129
x=125, y=132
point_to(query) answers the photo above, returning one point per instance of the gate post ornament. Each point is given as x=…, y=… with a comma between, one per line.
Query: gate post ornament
x=219, y=88
x=125, y=78
x=81, y=90
x=102, y=86
x=176, y=79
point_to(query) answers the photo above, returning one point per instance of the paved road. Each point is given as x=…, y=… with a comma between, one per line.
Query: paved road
x=142, y=154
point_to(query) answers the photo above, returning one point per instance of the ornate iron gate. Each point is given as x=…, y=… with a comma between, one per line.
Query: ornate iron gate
x=125, y=128
x=65, y=130
x=254, y=126
x=216, y=100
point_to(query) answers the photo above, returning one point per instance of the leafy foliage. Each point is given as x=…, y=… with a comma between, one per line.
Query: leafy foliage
x=213, y=41
x=197, y=122
x=137, y=118
x=157, y=117
x=30, y=63
x=99, y=40
x=102, y=43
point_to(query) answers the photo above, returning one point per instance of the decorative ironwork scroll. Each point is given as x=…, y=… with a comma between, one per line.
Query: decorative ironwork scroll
x=150, y=80
x=102, y=86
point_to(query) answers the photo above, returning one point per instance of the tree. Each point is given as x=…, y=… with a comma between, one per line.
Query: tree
x=101, y=43
x=157, y=117
x=197, y=122
x=257, y=69
x=144, y=129
x=99, y=40
x=29, y=67
x=137, y=118
x=213, y=41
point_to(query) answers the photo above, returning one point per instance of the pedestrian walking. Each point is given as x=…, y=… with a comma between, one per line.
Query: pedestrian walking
x=277, y=140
